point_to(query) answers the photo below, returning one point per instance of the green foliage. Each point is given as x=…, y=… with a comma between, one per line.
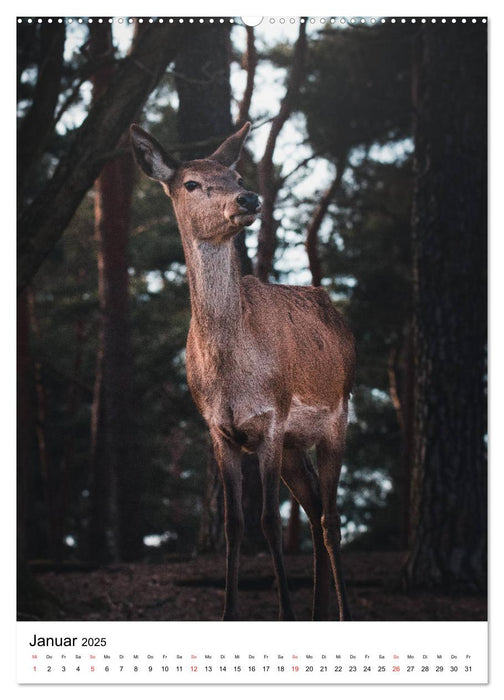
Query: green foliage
x=358, y=88
x=367, y=257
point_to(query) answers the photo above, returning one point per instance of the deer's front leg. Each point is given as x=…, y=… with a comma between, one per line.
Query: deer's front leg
x=270, y=465
x=229, y=461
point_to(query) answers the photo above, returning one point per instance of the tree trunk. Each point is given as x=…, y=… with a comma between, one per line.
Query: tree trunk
x=26, y=442
x=450, y=232
x=51, y=536
x=401, y=372
x=32, y=602
x=250, y=65
x=268, y=185
x=115, y=459
x=202, y=80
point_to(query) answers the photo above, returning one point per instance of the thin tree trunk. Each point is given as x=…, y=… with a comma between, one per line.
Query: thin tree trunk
x=250, y=65
x=316, y=222
x=31, y=598
x=113, y=411
x=114, y=190
x=268, y=186
x=103, y=544
x=73, y=404
x=100, y=544
x=450, y=233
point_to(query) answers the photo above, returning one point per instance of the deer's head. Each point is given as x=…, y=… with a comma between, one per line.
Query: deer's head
x=208, y=195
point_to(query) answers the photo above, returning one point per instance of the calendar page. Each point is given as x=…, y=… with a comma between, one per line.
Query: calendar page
x=252, y=350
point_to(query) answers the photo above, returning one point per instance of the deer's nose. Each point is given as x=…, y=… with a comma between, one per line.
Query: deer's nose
x=249, y=201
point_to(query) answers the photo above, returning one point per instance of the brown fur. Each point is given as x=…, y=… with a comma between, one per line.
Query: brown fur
x=270, y=368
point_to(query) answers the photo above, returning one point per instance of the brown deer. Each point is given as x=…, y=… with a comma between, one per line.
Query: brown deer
x=270, y=367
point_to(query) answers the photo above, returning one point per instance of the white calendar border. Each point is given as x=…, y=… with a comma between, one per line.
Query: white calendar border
x=258, y=7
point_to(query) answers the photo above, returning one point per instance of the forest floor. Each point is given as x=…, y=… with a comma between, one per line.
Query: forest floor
x=193, y=589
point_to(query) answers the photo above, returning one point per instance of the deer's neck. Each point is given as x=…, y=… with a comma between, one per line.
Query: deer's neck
x=214, y=283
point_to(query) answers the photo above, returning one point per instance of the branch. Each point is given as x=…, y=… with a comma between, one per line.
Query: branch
x=267, y=185
x=316, y=222
x=261, y=121
x=250, y=64
x=300, y=165
x=211, y=143
x=191, y=80
x=43, y=222
x=84, y=75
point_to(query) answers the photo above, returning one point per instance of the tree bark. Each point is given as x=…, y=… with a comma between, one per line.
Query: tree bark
x=26, y=443
x=51, y=541
x=250, y=65
x=267, y=184
x=202, y=80
x=450, y=257
x=113, y=410
x=401, y=372
x=41, y=224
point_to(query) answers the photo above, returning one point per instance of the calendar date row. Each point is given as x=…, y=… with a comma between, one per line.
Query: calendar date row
x=283, y=668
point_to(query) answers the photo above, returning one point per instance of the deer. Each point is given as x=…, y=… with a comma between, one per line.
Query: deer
x=269, y=366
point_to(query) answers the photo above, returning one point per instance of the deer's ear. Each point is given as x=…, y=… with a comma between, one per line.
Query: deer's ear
x=151, y=156
x=229, y=152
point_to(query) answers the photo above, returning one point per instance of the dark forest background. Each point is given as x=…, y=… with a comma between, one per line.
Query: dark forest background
x=389, y=122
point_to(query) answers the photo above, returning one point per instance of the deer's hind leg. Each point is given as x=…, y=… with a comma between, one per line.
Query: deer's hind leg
x=302, y=481
x=329, y=460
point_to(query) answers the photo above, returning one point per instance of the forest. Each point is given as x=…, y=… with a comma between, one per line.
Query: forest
x=369, y=152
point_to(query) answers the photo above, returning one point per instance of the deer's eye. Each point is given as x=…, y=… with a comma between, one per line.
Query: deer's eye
x=240, y=182
x=190, y=185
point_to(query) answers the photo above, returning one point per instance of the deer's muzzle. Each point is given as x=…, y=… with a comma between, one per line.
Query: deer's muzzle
x=249, y=201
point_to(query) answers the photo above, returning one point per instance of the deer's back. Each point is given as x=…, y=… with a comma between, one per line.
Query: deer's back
x=302, y=326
